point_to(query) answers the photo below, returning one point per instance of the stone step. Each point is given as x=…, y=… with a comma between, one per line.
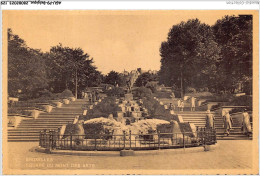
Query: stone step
x=23, y=140
x=39, y=125
x=55, y=118
x=46, y=122
x=64, y=112
x=42, y=127
x=194, y=112
x=69, y=107
x=60, y=114
x=29, y=129
x=24, y=135
x=233, y=137
x=22, y=131
x=50, y=121
x=52, y=118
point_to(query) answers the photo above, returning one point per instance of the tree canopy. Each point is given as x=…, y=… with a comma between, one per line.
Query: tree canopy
x=144, y=78
x=26, y=68
x=217, y=57
x=70, y=67
x=114, y=78
x=188, y=55
x=234, y=37
x=32, y=71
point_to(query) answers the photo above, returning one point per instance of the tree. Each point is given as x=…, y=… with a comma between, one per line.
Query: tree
x=71, y=68
x=114, y=78
x=26, y=68
x=144, y=78
x=188, y=56
x=234, y=36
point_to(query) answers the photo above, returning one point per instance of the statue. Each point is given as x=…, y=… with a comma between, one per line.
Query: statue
x=129, y=88
x=131, y=80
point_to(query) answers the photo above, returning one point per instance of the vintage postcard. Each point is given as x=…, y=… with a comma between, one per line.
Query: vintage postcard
x=130, y=92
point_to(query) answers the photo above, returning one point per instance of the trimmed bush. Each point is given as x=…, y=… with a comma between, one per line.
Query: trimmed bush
x=152, y=85
x=66, y=93
x=245, y=100
x=190, y=90
x=142, y=92
x=163, y=94
x=235, y=110
x=215, y=107
x=103, y=109
x=116, y=92
x=177, y=93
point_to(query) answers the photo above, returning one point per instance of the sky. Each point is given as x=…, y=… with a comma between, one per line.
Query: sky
x=116, y=40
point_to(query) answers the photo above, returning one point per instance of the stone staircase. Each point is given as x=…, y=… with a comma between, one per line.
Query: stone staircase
x=198, y=118
x=28, y=130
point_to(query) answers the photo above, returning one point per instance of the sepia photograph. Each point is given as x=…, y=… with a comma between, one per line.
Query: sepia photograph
x=130, y=92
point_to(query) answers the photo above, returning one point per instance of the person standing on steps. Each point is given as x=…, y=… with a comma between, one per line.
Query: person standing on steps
x=93, y=96
x=227, y=123
x=179, y=104
x=97, y=95
x=246, y=125
x=182, y=105
x=82, y=94
x=192, y=103
x=90, y=97
x=171, y=106
x=86, y=95
x=210, y=120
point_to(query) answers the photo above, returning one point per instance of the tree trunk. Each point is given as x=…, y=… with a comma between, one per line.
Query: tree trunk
x=76, y=84
x=181, y=84
x=66, y=84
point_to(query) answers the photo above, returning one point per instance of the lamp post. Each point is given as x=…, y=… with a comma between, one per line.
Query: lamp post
x=184, y=54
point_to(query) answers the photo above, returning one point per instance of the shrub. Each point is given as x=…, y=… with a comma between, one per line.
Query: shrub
x=116, y=92
x=235, y=110
x=245, y=100
x=201, y=89
x=202, y=95
x=142, y=92
x=206, y=89
x=152, y=85
x=163, y=94
x=103, y=109
x=66, y=93
x=151, y=105
x=45, y=93
x=214, y=107
x=190, y=90
x=221, y=98
x=177, y=93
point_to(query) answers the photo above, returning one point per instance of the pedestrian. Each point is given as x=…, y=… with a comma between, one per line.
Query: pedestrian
x=179, y=104
x=192, y=104
x=86, y=95
x=90, y=97
x=94, y=97
x=171, y=106
x=246, y=125
x=82, y=94
x=210, y=120
x=97, y=95
x=182, y=105
x=227, y=123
